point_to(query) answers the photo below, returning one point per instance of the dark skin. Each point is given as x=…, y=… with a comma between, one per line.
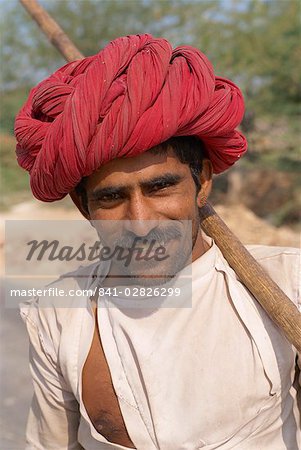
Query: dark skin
x=147, y=187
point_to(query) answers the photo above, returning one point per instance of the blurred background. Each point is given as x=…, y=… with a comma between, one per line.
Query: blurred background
x=255, y=43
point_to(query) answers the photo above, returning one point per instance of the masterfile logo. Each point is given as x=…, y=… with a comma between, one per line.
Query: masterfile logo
x=144, y=255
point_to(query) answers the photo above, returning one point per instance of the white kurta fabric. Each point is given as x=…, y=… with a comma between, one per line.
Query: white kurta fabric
x=216, y=375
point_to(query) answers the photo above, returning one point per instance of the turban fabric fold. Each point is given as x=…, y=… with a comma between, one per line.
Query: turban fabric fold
x=128, y=98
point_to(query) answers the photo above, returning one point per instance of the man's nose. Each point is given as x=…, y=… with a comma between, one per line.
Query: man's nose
x=141, y=217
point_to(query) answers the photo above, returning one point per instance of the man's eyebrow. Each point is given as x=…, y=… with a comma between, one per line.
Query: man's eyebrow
x=169, y=178
x=109, y=190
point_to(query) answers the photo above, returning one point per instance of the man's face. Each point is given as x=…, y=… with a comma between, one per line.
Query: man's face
x=150, y=197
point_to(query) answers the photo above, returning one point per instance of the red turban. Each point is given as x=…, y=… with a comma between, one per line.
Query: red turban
x=131, y=96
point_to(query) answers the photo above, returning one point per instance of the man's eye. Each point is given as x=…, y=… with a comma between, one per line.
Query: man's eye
x=160, y=186
x=109, y=197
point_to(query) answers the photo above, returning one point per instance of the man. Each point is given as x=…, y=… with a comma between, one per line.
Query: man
x=134, y=135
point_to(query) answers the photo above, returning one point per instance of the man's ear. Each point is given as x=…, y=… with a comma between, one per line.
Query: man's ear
x=206, y=182
x=77, y=200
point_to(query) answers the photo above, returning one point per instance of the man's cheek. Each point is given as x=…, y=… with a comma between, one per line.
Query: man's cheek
x=178, y=206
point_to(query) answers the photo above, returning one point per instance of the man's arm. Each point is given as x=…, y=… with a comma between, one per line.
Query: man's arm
x=54, y=416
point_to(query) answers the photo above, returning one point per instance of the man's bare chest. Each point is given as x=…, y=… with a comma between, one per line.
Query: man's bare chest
x=99, y=397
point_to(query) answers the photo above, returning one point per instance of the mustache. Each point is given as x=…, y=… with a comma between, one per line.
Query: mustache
x=162, y=235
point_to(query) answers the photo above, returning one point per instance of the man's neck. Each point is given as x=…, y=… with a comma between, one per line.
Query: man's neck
x=200, y=247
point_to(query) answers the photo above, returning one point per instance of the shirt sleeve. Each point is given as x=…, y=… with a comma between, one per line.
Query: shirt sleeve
x=283, y=264
x=297, y=279
x=298, y=296
x=54, y=415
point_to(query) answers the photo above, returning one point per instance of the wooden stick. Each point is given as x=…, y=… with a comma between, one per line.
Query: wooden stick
x=52, y=30
x=278, y=306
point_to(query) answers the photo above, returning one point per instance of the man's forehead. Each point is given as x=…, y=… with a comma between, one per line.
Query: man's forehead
x=149, y=164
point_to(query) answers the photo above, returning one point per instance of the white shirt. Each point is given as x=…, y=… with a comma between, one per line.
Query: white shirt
x=216, y=375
